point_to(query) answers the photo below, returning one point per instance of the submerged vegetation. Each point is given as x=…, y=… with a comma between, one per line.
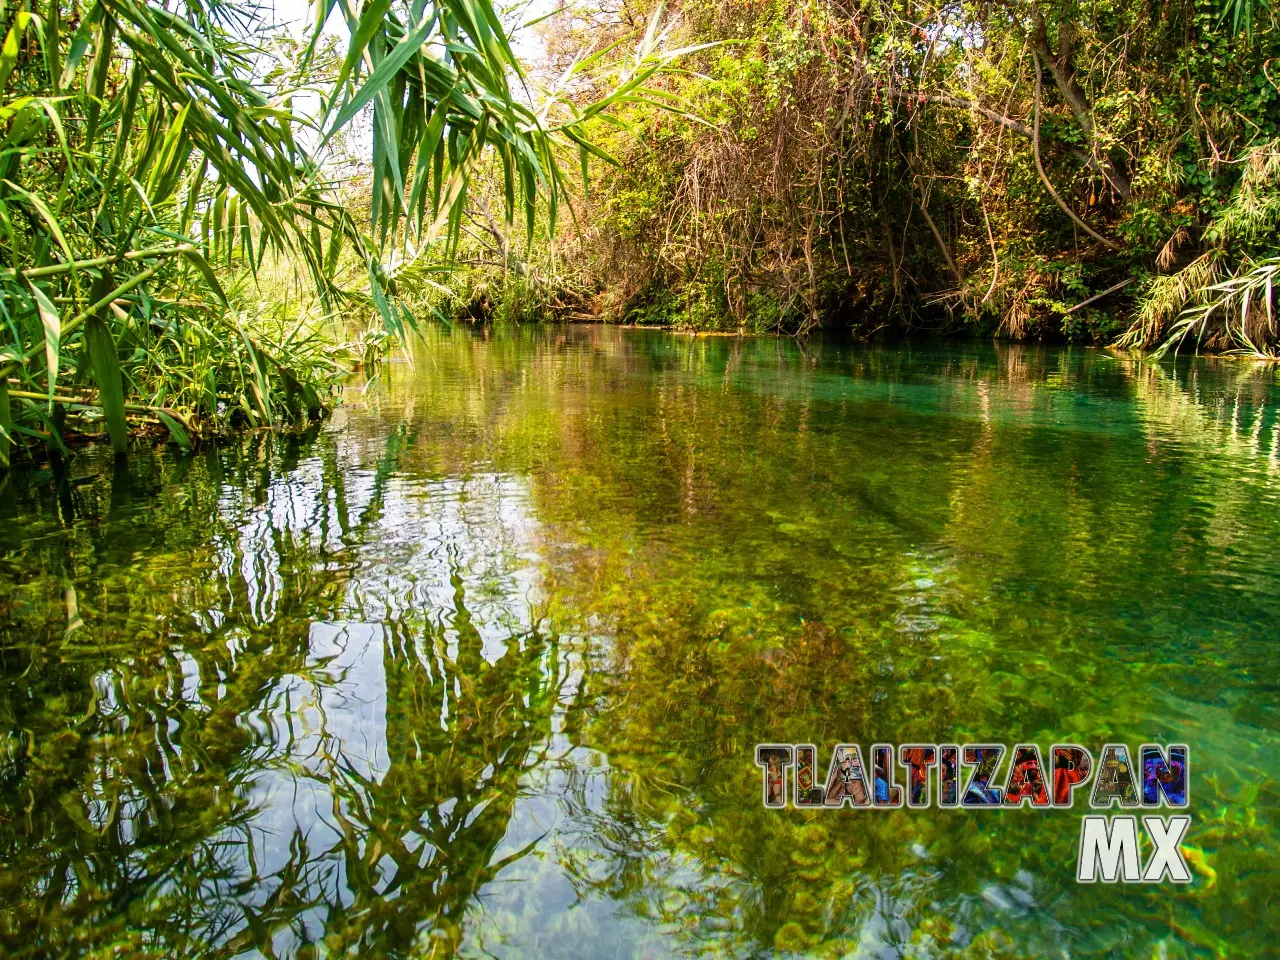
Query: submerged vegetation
x=478, y=669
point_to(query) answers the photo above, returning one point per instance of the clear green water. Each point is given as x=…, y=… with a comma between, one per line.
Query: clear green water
x=477, y=666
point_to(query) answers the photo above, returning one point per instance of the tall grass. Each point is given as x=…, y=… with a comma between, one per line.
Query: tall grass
x=151, y=154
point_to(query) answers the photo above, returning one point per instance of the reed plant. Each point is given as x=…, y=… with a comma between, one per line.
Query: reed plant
x=155, y=159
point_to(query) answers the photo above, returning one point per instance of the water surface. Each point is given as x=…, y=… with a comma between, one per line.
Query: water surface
x=477, y=666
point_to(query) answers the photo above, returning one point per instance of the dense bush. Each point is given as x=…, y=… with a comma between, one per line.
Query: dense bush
x=1026, y=169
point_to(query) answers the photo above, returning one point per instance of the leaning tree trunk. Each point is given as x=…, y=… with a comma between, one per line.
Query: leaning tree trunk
x=1062, y=67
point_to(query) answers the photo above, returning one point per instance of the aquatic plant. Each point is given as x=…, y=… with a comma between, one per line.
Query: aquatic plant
x=532, y=610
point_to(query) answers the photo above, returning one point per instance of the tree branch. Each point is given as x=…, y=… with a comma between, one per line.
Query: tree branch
x=1035, y=148
x=1098, y=296
x=996, y=117
x=1064, y=76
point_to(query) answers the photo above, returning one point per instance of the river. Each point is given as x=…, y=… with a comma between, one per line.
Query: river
x=477, y=666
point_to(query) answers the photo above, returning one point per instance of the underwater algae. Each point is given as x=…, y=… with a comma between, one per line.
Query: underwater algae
x=478, y=666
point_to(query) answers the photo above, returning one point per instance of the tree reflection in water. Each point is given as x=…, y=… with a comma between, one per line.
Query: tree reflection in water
x=270, y=748
x=338, y=694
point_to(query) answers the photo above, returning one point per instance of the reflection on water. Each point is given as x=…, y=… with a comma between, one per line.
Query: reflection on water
x=477, y=667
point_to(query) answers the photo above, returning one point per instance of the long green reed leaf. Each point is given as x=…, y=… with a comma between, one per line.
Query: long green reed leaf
x=106, y=370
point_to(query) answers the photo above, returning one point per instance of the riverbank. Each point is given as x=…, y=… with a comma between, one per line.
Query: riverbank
x=86, y=425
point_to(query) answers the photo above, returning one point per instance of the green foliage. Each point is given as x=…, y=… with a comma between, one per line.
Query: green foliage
x=155, y=163
x=145, y=154
x=106, y=369
x=6, y=425
x=1241, y=13
x=1224, y=296
x=875, y=167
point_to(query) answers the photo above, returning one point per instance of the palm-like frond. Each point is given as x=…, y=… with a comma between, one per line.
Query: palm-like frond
x=438, y=78
x=144, y=152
